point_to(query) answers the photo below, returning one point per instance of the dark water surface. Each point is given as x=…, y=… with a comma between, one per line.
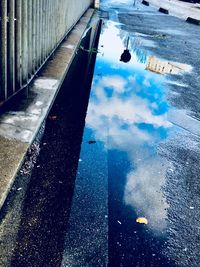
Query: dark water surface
x=36, y=214
x=151, y=162
x=127, y=112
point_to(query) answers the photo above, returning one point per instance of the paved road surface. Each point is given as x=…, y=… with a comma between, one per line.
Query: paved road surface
x=139, y=156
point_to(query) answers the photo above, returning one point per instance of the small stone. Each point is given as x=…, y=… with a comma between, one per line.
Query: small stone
x=53, y=118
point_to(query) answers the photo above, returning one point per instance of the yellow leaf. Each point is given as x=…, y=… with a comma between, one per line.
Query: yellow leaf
x=142, y=220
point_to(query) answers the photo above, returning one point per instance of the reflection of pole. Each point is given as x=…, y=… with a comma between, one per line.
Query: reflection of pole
x=92, y=51
x=126, y=55
x=127, y=43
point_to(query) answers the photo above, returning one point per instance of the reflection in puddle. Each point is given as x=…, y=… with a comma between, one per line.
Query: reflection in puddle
x=129, y=102
x=97, y=3
x=165, y=67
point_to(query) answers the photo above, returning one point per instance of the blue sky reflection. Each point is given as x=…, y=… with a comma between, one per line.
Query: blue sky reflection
x=128, y=106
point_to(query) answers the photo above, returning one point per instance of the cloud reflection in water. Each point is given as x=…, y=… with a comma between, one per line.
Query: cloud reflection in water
x=128, y=105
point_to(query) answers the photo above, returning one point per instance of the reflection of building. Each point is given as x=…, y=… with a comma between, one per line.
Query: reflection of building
x=163, y=67
x=97, y=3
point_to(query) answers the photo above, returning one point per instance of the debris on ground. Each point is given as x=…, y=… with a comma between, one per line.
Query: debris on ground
x=142, y=220
x=52, y=118
x=19, y=189
x=91, y=142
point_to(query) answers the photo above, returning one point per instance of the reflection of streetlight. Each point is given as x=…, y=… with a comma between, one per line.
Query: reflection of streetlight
x=126, y=55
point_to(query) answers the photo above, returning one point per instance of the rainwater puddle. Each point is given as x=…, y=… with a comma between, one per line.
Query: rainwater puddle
x=128, y=114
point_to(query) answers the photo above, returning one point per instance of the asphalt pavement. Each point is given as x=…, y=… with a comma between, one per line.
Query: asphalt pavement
x=119, y=187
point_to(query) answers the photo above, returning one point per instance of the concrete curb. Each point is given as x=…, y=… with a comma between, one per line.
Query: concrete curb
x=146, y=3
x=166, y=11
x=193, y=21
x=163, y=10
x=19, y=128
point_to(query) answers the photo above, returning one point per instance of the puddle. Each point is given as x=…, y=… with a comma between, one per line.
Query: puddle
x=140, y=147
x=37, y=209
x=128, y=113
x=129, y=101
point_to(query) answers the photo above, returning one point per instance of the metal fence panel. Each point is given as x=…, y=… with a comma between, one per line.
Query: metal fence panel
x=29, y=33
x=3, y=50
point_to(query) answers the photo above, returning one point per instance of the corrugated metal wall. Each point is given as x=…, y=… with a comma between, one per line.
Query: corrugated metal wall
x=29, y=31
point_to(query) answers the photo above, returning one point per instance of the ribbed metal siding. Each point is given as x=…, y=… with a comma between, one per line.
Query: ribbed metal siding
x=30, y=30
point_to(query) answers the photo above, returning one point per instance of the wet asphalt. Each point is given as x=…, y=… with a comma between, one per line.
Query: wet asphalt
x=153, y=131
x=133, y=152
x=35, y=216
